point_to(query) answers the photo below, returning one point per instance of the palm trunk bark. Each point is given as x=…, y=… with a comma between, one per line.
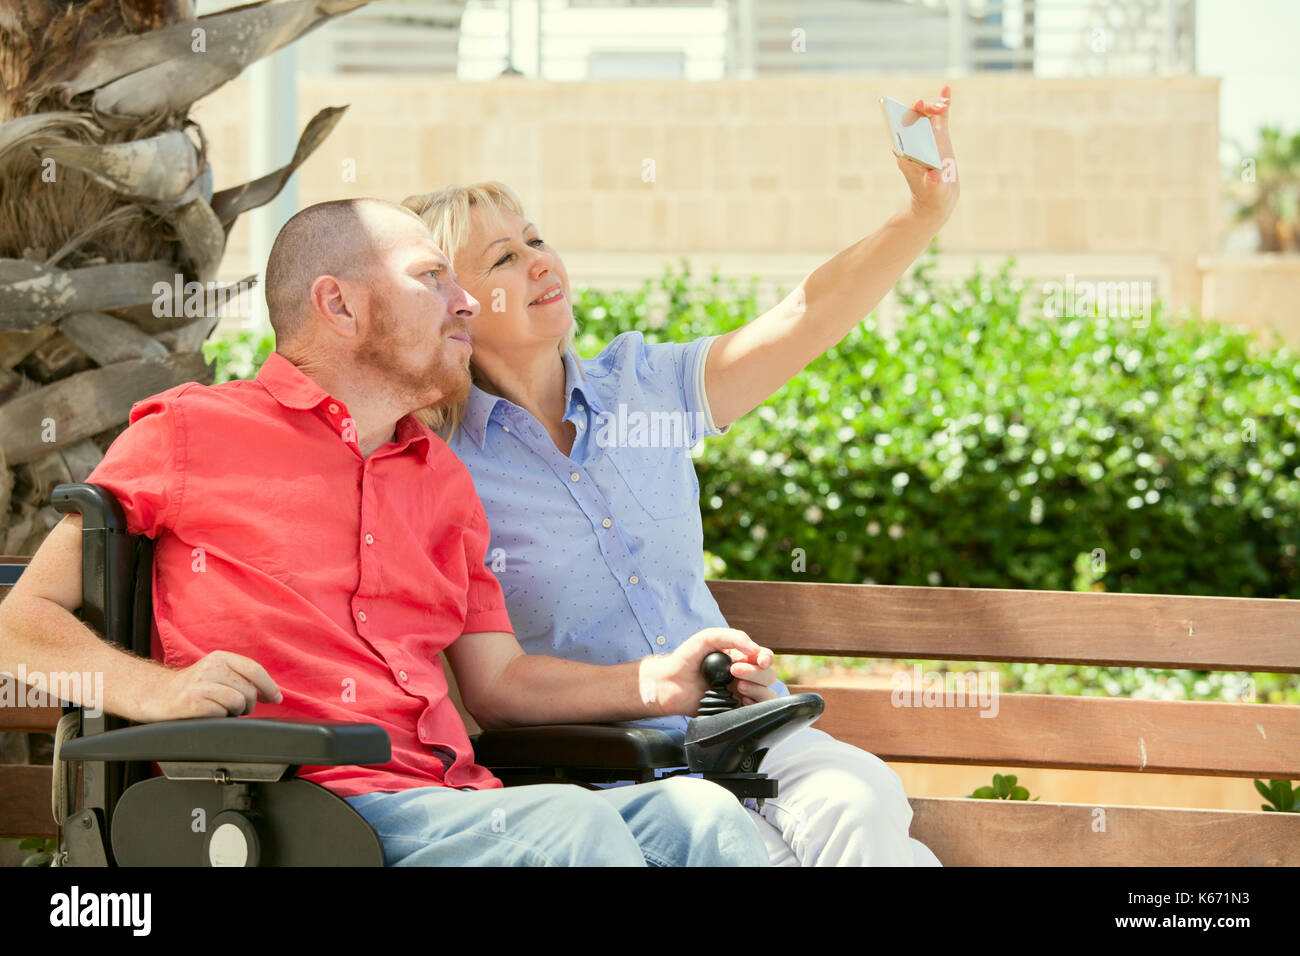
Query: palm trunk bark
x=106, y=191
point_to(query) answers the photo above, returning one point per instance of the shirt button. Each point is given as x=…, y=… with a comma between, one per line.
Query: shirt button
x=361, y=616
x=334, y=409
x=581, y=408
x=401, y=675
x=579, y=424
x=506, y=429
x=370, y=539
x=661, y=640
x=574, y=476
x=606, y=523
x=633, y=579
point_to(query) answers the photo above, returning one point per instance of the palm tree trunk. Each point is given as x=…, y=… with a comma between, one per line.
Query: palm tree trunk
x=105, y=192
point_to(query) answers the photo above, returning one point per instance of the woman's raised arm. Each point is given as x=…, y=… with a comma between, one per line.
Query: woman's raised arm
x=748, y=364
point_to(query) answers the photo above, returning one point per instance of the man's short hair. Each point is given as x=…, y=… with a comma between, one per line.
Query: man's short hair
x=328, y=238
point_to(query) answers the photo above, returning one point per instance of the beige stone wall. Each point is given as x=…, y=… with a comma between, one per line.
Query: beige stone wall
x=1259, y=292
x=1107, y=168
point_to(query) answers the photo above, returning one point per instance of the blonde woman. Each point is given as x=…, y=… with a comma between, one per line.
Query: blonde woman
x=595, y=527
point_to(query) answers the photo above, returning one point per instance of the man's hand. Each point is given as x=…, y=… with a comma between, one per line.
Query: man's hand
x=673, y=683
x=222, y=684
x=752, y=683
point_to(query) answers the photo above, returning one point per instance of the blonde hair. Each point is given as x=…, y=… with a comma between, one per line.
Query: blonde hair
x=447, y=214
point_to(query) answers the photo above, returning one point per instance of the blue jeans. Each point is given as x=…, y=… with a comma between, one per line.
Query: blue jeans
x=680, y=821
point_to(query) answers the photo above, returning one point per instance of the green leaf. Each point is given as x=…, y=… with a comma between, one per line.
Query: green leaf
x=38, y=859
x=31, y=843
x=1019, y=793
x=1263, y=790
x=984, y=793
x=1279, y=788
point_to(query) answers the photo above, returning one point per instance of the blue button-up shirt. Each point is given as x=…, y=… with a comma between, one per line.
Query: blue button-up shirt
x=600, y=553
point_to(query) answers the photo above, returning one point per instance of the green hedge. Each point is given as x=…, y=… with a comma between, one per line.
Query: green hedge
x=984, y=445
x=987, y=446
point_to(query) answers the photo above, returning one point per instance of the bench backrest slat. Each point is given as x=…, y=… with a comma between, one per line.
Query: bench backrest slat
x=1084, y=733
x=23, y=719
x=25, y=801
x=20, y=719
x=987, y=624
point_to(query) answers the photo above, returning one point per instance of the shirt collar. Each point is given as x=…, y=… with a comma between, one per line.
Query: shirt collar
x=293, y=388
x=481, y=404
x=478, y=409
x=575, y=388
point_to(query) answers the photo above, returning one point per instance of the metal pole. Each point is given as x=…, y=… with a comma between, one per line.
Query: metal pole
x=272, y=137
x=747, y=61
x=540, y=22
x=1171, y=37
x=958, y=41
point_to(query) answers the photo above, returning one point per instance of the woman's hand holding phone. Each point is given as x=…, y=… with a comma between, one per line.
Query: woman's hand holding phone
x=934, y=191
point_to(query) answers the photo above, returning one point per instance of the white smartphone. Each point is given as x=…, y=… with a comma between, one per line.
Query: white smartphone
x=910, y=134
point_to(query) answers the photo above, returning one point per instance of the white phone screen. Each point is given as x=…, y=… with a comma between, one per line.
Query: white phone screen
x=911, y=133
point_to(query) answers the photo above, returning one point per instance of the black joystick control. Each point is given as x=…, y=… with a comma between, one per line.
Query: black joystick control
x=716, y=669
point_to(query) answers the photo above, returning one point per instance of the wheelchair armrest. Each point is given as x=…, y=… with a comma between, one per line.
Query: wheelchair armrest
x=238, y=772
x=574, y=746
x=238, y=740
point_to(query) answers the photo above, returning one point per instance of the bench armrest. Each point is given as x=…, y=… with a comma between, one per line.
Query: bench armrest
x=245, y=740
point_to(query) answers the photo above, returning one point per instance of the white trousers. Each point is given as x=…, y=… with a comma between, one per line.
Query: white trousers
x=838, y=806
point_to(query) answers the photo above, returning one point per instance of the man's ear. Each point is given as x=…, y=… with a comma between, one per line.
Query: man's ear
x=334, y=302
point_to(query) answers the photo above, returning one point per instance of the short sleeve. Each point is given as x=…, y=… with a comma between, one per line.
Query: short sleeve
x=142, y=467
x=683, y=364
x=485, y=604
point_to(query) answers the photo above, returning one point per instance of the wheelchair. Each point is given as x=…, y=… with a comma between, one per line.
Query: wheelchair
x=228, y=793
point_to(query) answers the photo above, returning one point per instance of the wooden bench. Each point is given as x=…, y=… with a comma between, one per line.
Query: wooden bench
x=1029, y=730
x=1037, y=730
x=24, y=788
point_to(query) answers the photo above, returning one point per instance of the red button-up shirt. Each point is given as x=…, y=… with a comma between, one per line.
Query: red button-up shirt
x=344, y=576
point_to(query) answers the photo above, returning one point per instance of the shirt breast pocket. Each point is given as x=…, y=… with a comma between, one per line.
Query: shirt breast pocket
x=660, y=480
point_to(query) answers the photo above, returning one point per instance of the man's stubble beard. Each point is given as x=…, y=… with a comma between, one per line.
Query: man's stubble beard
x=437, y=385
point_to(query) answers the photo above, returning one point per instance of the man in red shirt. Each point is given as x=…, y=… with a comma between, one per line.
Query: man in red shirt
x=317, y=548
